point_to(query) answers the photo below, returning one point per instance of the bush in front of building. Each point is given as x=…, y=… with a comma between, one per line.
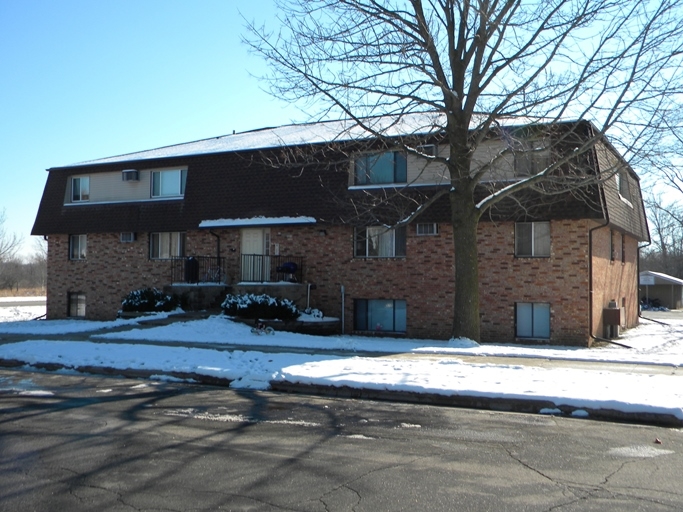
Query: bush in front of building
x=260, y=307
x=148, y=300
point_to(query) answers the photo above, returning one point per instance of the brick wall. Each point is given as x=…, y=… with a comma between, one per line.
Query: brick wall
x=110, y=271
x=560, y=280
x=424, y=278
x=614, y=279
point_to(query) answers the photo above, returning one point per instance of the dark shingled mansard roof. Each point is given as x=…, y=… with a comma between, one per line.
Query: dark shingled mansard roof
x=270, y=173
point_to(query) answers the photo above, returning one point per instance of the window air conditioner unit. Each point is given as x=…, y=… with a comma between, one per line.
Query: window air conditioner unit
x=128, y=237
x=130, y=175
x=427, y=149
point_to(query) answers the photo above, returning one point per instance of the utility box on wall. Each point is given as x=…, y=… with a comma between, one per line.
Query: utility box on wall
x=611, y=317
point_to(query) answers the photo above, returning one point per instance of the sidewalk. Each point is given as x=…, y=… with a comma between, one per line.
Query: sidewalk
x=170, y=348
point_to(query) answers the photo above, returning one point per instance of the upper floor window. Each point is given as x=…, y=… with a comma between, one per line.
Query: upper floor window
x=532, y=239
x=78, y=246
x=380, y=242
x=169, y=183
x=80, y=189
x=380, y=168
x=533, y=158
x=622, y=184
x=166, y=245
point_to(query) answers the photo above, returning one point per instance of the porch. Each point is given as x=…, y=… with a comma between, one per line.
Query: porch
x=254, y=268
x=204, y=281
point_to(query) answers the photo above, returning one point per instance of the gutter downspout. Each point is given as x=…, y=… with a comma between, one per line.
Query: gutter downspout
x=640, y=313
x=342, y=309
x=218, y=246
x=590, y=276
x=218, y=255
x=605, y=214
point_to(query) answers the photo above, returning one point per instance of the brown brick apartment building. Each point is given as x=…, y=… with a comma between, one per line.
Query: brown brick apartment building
x=315, y=211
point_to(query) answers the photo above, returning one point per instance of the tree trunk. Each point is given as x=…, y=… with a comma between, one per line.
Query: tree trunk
x=464, y=219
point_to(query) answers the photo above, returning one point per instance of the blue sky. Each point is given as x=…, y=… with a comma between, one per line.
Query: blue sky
x=84, y=79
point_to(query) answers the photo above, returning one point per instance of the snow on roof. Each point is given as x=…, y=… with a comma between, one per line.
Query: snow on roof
x=255, y=221
x=418, y=123
x=292, y=135
x=664, y=277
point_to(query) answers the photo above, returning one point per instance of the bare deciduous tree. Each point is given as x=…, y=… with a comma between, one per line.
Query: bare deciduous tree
x=665, y=254
x=476, y=63
x=9, y=242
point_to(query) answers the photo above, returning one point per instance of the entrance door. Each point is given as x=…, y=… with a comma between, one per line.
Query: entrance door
x=256, y=255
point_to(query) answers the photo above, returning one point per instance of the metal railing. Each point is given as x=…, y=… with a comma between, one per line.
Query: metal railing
x=198, y=270
x=259, y=268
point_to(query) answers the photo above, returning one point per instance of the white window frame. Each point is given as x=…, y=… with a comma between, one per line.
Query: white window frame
x=78, y=247
x=536, y=234
x=80, y=189
x=165, y=245
x=168, y=183
x=532, y=320
x=623, y=186
x=382, y=237
x=427, y=229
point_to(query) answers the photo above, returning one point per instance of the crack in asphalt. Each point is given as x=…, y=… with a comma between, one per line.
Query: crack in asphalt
x=347, y=485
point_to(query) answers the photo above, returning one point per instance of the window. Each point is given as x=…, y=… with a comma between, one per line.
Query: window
x=166, y=245
x=622, y=184
x=380, y=168
x=78, y=247
x=427, y=228
x=623, y=248
x=612, y=246
x=532, y=158
x=532, y=320
x=76, y=304
x=427, y=149
x=532, y=239
x=380, y=242
x=380, y=315
x=169, y=183
x=127, y=237
x=80, y=189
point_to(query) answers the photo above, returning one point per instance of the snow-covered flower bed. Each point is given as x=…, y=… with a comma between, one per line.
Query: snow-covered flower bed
x=262, y=307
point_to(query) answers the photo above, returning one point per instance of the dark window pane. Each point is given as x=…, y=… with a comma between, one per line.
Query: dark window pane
x=360, y=314
x=523, y=239
x=400, y=241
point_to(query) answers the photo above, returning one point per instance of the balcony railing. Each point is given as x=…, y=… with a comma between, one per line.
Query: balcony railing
x=198, y=270
x=259, y=268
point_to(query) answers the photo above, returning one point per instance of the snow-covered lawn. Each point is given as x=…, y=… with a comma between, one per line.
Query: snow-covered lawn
x=424, y=366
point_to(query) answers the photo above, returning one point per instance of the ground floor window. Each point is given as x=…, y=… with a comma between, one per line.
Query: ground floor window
x=533, y=320
x=78, y=247
x=380, y=242
x=380, y=315
x=77, y=304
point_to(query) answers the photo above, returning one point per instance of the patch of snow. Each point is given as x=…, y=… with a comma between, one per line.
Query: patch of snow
x=442, y=372
x=256, y=221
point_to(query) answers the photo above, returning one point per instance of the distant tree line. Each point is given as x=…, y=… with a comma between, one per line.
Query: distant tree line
x=18, y=273
x=665, y=252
